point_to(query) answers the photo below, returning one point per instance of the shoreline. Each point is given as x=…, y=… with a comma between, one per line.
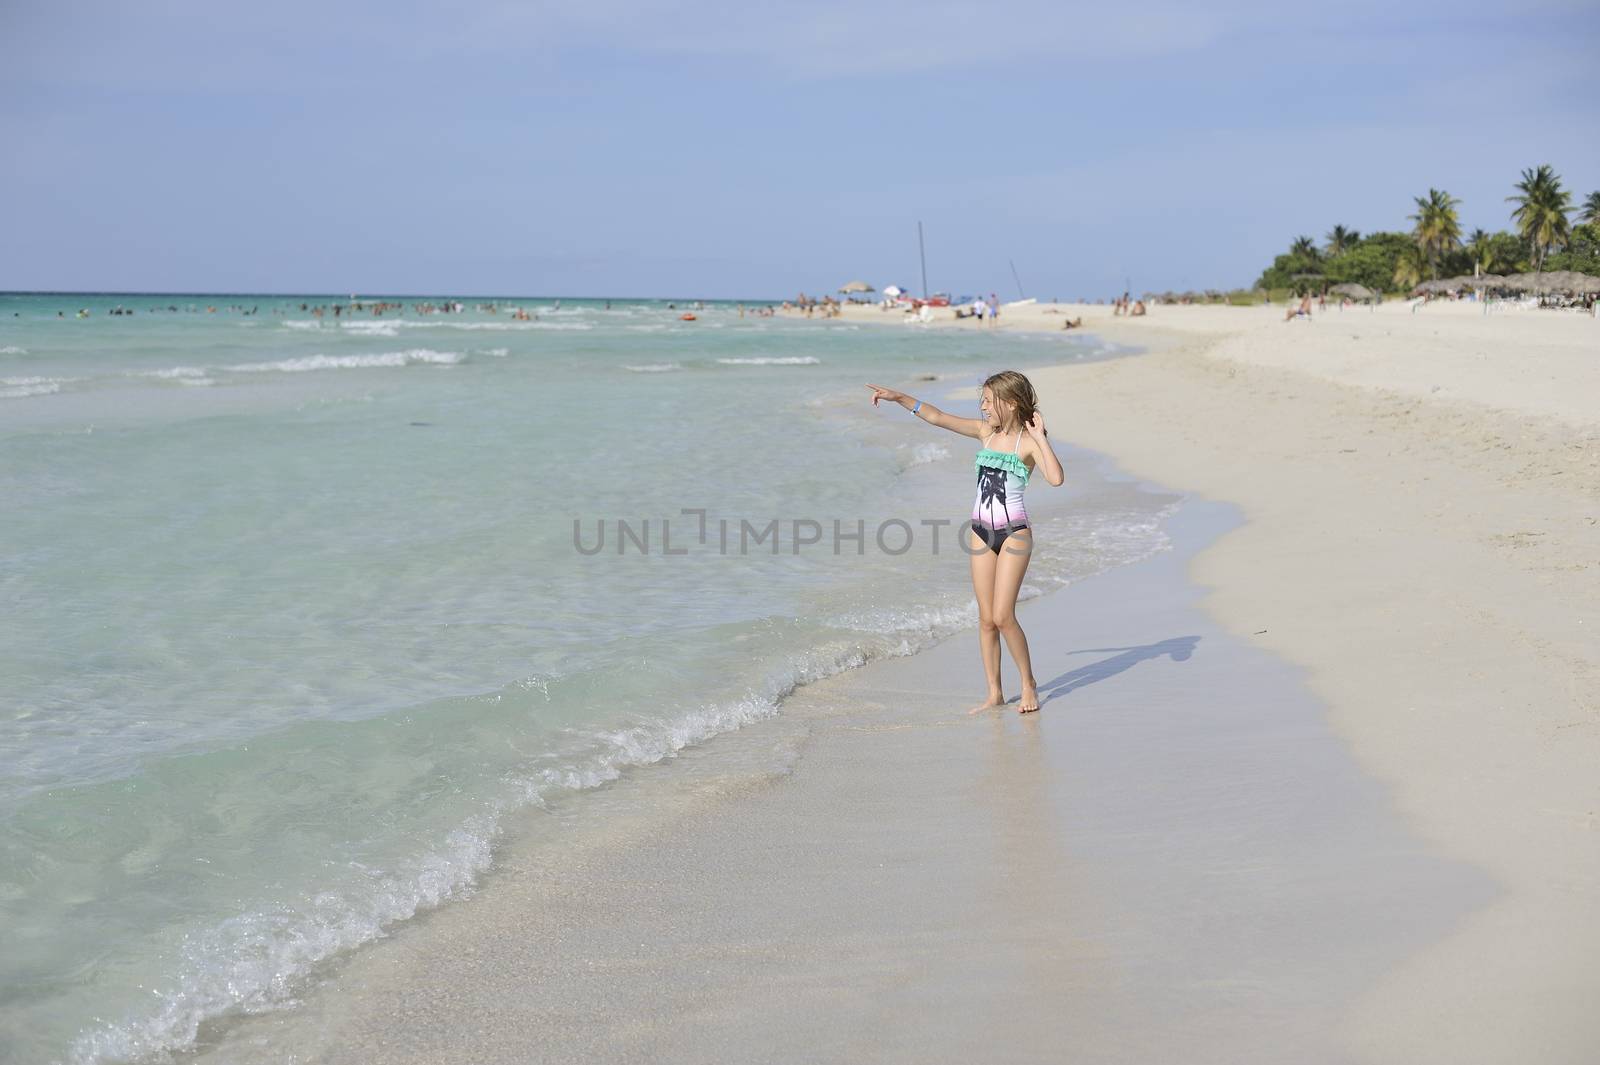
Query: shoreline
x=1081, y=877
x=1426, y=560
x=1423, y=538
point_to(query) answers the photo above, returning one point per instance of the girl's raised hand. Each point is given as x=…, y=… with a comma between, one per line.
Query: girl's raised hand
x=879, y=392
x=1036, y=426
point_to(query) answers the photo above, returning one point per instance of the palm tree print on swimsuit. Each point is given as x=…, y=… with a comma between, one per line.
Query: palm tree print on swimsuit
x=992, y=490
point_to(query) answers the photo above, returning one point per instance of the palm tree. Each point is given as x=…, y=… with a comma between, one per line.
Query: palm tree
x=1438, y=229
x=1591, y=208
x=1304, y=247
x=992, y=490
x=1541, y=213
x=1480, y=245
x=1341, y=240
x=1408, y=268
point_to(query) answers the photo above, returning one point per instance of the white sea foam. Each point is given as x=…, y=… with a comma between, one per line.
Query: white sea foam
x=922, y=454
x=374, y=329
x=388, y=327
x=250, y=962
x=773, y=360
x=654, y=367
x=350, y=362
x=22, y=387
x=12, y=349
x=256, y=962
x=511, y=326
x=385, y=328
x=498, y=353
x=193, y=376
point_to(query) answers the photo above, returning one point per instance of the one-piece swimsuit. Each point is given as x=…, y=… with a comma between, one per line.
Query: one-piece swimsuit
x=998, y=511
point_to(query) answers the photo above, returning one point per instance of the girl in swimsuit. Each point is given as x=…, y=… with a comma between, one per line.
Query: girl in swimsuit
x=999, y=521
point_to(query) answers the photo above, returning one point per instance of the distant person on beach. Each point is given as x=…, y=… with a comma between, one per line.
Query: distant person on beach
x=1302, y=311
x=1073, y=323
x=997, y=539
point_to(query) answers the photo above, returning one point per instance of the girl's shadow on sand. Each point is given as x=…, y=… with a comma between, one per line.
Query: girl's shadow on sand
x=1179, y=648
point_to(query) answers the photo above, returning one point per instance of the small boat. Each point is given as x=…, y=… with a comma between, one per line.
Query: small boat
x=686, y=318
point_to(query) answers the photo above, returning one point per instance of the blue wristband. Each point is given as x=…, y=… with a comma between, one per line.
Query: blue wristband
x=917, y=407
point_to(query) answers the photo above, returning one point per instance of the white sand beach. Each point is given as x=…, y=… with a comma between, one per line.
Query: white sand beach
x=1422, y=492
x=1316, y=785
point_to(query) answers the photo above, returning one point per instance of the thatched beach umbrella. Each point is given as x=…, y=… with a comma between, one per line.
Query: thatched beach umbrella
x=1570, y=281
x=1555, y=281
x=1486, y=281
x=856, y=286
x=1536, y=282
x=1353, y=290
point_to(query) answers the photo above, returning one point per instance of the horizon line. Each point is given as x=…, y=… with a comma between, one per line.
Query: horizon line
x=374, y=294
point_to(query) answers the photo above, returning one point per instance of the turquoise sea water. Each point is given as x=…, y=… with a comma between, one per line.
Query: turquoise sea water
x=295, y=611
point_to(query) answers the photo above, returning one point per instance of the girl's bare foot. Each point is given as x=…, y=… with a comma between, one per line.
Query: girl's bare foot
x=1030, y=699
x=996, y=700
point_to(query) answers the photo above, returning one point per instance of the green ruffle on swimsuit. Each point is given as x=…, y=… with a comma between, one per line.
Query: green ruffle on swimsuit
x=1002, y=460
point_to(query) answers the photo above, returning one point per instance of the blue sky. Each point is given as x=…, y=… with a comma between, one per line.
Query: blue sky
x=729, y=150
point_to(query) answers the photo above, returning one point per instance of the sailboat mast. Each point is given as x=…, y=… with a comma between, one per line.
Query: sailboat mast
x=922, y=253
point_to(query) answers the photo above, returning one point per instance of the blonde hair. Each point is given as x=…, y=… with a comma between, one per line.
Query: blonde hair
x=1016, y=391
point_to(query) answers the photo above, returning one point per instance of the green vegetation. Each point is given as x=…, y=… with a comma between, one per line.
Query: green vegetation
x=1341, y=240
x=1545, y=238
x=1541, y=213
x=1438, y=229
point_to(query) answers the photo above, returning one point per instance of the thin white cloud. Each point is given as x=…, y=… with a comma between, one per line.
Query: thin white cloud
x=306, y=45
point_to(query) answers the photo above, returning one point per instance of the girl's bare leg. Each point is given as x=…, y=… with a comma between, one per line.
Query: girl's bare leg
x=983, y=569
x=1009, y=569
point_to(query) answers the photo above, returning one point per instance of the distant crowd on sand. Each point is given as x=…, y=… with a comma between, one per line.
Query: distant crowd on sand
x=1302, y=311
x=826, y=307
x=984, y=310
x=1133, y=309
